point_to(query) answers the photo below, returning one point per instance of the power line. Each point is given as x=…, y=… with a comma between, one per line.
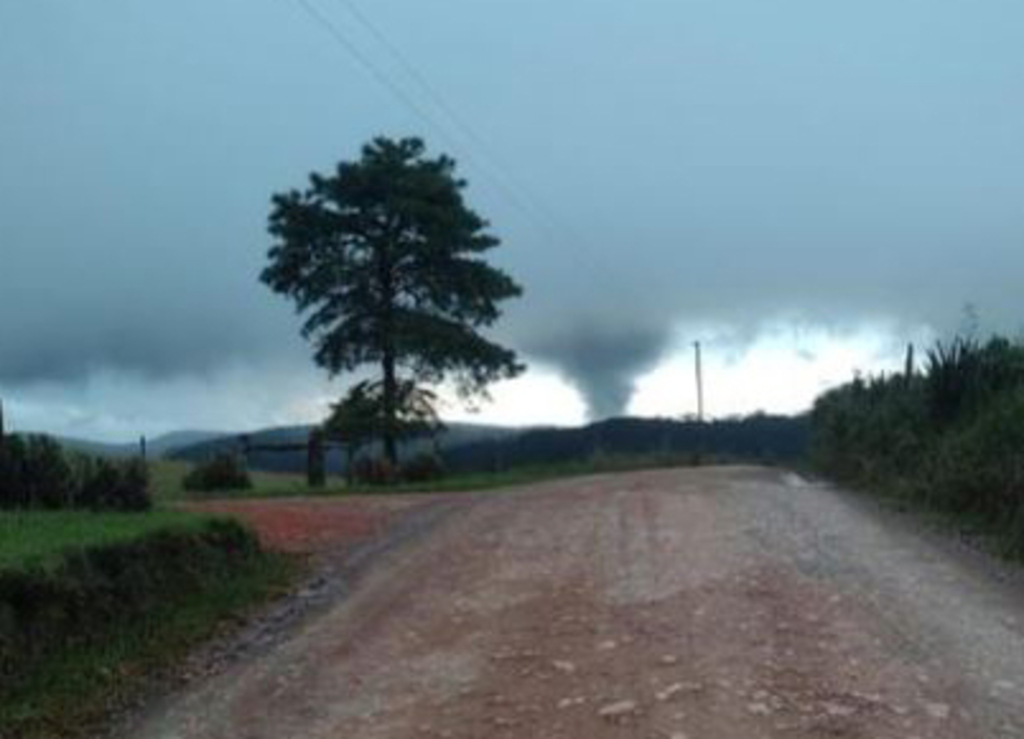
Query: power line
x=339, y=37
x=335, y=32
x=530, y=205
x=442, y=104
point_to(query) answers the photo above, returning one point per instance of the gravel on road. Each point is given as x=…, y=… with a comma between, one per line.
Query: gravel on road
x=716, y=603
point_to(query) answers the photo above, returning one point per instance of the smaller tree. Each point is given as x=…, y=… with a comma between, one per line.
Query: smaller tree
x=224, y=471
x=353, y=422
x=362, y=416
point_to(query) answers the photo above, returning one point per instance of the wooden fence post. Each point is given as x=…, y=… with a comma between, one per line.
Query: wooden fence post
x=316, y=464
x=246, y=444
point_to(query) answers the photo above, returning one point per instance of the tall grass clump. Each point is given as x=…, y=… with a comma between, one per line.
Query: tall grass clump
x=950, y=438
x=37, y=474
x=224, y=471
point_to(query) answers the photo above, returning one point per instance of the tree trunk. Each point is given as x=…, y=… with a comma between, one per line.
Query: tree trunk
x=316, y=462
x=390, y=393
x=387, y=285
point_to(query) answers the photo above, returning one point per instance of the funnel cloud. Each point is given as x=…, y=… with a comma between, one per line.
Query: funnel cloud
x=603, y=362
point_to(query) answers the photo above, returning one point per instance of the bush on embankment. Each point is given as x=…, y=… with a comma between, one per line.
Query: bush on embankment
x=70, y=623
x=950, y=439
x=36, y=473
x=225, y=471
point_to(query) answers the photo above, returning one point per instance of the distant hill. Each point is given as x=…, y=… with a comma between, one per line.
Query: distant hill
x=455, y=435
x=159, y=446
x=98, y=448
x=167, y=444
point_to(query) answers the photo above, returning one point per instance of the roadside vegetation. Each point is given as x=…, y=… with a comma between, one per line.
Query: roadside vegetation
x=41, y=538
x=168, y=484
x=93, y=607
x=100, y=590
x=36, y=473
x=222, y=472
x=949, y=439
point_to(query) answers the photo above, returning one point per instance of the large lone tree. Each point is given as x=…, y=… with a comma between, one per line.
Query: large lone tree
x=383, y=258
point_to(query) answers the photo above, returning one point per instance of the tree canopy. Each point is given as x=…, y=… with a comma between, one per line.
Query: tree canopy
x=385, y=261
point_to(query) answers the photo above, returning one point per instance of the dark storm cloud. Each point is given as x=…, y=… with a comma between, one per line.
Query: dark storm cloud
x=150, y=308
x=72, y=350
x=715, y=162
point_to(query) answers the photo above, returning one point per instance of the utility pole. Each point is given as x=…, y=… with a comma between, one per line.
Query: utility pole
x=700, y=382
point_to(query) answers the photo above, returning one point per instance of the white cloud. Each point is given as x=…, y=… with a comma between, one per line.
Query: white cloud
x=782, y=370
x=539, y=397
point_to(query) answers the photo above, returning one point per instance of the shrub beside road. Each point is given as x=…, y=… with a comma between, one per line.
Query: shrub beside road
x=950, y=439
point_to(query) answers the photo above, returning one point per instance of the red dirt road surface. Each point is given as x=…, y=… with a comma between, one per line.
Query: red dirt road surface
x=316, y=525
x=684, y=604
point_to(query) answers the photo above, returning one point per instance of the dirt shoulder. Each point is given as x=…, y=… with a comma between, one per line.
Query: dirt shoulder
x=711, y=603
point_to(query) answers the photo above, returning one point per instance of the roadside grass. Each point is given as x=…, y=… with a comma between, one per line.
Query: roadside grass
x=1000, y=540
x=946, y=440
x=72, y=691
x=167, y=476
x=39, y=538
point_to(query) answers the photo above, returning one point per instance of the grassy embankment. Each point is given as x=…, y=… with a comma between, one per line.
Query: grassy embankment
x=93, y=606
x=949, y=440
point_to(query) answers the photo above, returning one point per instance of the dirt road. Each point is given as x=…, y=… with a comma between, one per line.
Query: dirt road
x=707, y=604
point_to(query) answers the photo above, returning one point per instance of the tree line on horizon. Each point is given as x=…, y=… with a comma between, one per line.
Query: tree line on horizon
x=462, y=449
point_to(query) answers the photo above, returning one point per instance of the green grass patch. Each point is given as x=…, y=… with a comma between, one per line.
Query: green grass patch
x=39, y=538
x=167, y=478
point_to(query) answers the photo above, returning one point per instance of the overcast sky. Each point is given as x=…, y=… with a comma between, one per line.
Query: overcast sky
x=804, y=186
